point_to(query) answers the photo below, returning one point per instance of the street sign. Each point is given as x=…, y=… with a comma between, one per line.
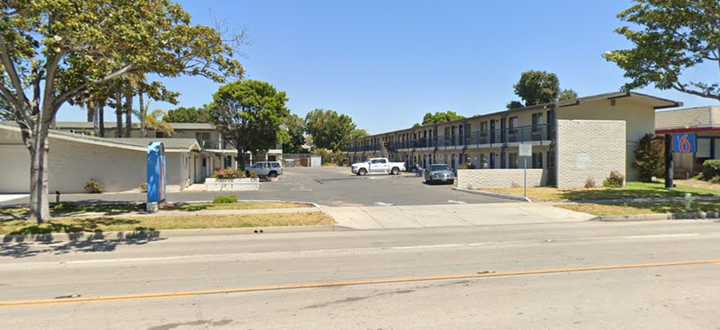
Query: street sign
x=684, y=143
x=525, y=150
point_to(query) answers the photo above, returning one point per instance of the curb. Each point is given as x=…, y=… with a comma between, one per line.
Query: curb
x=496, y=195
x=657, y=217
x=151, y=235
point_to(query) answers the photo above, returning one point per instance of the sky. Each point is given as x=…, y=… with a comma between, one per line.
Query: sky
x=387, y=63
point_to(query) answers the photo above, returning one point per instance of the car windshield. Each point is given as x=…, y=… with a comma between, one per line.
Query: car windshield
x=434, y=168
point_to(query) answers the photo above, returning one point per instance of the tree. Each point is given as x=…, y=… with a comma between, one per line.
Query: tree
x=673, y=36
x=514, y=105
x=152, y=120
x=248, y=114
x=329, y=129
x=296, y=134
x=51, y=51
x=567, y=94
x=188, y=115
x=5, y=111
x=649, y=157
x=358, y=133
x=440, y=117
x=537, y=87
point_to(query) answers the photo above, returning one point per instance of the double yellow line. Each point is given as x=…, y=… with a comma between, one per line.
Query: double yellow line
x=188, y=294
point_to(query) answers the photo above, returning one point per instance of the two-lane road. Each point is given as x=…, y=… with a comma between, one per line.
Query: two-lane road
x=653, y=275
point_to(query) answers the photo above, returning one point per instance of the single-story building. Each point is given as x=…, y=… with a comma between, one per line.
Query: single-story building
x=705, y=123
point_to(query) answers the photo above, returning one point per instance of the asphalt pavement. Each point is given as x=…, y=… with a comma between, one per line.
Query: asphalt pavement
x=327, y=186
x=590, y=275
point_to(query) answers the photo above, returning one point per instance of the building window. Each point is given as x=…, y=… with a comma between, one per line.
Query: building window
x=703, y=148
x=537, y=160
x=512, y=160
x=514, y=123
x=537, y=120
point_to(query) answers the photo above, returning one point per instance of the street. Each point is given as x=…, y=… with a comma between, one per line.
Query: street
x=588, y=275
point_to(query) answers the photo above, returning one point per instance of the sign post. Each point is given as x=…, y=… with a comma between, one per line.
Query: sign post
x=525, y=151
x=156, y=176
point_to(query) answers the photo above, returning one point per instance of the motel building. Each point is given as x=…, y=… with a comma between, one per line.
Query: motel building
x=572, y=141
x=192, y=154
x=704, y=122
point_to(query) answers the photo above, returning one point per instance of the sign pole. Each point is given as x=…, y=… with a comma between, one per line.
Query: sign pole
x=525, y=151
x=525, y=174
x=669, y=166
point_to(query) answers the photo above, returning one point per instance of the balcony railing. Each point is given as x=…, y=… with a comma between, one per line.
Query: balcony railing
x=212, y=145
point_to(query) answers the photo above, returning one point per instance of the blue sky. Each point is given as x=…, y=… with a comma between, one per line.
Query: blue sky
x=387, y=63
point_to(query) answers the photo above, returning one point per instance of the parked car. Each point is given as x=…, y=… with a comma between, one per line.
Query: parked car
x=439, y=173
x=377, y=165
x=270, y=169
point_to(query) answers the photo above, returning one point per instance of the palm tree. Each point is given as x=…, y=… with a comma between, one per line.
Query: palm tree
x=154, y=120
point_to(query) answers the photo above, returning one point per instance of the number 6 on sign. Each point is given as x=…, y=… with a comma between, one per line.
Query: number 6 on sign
x=684, y=143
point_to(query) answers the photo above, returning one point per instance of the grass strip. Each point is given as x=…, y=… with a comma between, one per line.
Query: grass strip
x=641, y=208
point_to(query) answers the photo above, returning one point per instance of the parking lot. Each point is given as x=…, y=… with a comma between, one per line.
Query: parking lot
x=327, y=186
x=336, y=186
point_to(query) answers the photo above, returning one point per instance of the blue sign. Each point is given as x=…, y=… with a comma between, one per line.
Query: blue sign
x=156, y=177
x=684, y=143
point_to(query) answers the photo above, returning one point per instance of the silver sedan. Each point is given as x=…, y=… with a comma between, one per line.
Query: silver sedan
x=439, y=173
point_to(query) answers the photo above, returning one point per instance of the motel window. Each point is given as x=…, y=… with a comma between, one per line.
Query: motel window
x=514, y=124
x=512, y=160
x=703, y=148
x=484, y=126
x=537, y=160
x=537, y=120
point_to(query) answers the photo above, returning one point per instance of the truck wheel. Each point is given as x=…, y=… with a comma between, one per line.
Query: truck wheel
x=395, y=171
x=362, y=171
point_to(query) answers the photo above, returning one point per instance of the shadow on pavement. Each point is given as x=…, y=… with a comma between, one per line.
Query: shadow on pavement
x=30, y=245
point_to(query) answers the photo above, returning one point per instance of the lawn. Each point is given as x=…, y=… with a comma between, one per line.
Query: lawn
x=153, y=223
x=631, y=190
x=642, y=208
x=113, y=209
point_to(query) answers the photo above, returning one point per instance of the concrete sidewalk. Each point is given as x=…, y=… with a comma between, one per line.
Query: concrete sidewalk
x=426, y=216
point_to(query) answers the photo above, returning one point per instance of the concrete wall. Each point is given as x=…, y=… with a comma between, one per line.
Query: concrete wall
x=589, y=149
x=500, y=178
x=639, y=120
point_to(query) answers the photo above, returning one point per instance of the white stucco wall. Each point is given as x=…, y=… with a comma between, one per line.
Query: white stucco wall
x=500, y=178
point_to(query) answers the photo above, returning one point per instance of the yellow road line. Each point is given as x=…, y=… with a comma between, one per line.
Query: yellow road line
x=189, y=294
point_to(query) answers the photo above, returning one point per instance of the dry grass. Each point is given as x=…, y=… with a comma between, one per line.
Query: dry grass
x=150, y=223
x=632, y=190
x=642, y=208
x=237, y=206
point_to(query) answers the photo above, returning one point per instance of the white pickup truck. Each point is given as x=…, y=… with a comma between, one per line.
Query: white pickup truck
x=377, y=165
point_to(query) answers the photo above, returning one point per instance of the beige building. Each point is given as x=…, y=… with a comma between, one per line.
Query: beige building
x=193, y=153
x=572, y=141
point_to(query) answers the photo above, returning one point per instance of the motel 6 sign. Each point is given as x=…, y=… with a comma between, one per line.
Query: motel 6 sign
x=684, y=143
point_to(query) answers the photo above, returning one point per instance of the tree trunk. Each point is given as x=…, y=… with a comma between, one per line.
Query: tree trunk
x=128, y=114
x=39, y=151
x=241, y=159
x=143, y=114
x=90, y=112
x=101, y=119
x=118, y=114
x=96, y=117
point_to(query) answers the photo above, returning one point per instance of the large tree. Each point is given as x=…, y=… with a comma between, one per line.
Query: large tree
x=329, y=129
x=671, y=37
x=248, y=114
x=54, y=50
x=440, y=117
x=539, y=87
x=296, y=135
x=188, y=115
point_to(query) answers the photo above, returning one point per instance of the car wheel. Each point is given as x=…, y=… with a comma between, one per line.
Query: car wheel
x=272, y=175
x=362, y=171
x=395, y=171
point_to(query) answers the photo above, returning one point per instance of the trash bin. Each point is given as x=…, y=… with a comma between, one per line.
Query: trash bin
x=289, y=163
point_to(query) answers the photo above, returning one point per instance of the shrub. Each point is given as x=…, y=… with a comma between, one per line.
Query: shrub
x=649, y=157
x=225, y=200
x=143, y=187
x=711, y=169
x=715, y=180
x=590, y=183
x=93, y=186
x=228, y=173
x=253, y=174
x=466, y=166
x=615, y=180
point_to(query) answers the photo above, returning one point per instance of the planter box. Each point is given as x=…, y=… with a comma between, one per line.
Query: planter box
x=246, y=184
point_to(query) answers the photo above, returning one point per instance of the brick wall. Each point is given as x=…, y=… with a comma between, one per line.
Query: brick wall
x=589, y=149
x=500, y=178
